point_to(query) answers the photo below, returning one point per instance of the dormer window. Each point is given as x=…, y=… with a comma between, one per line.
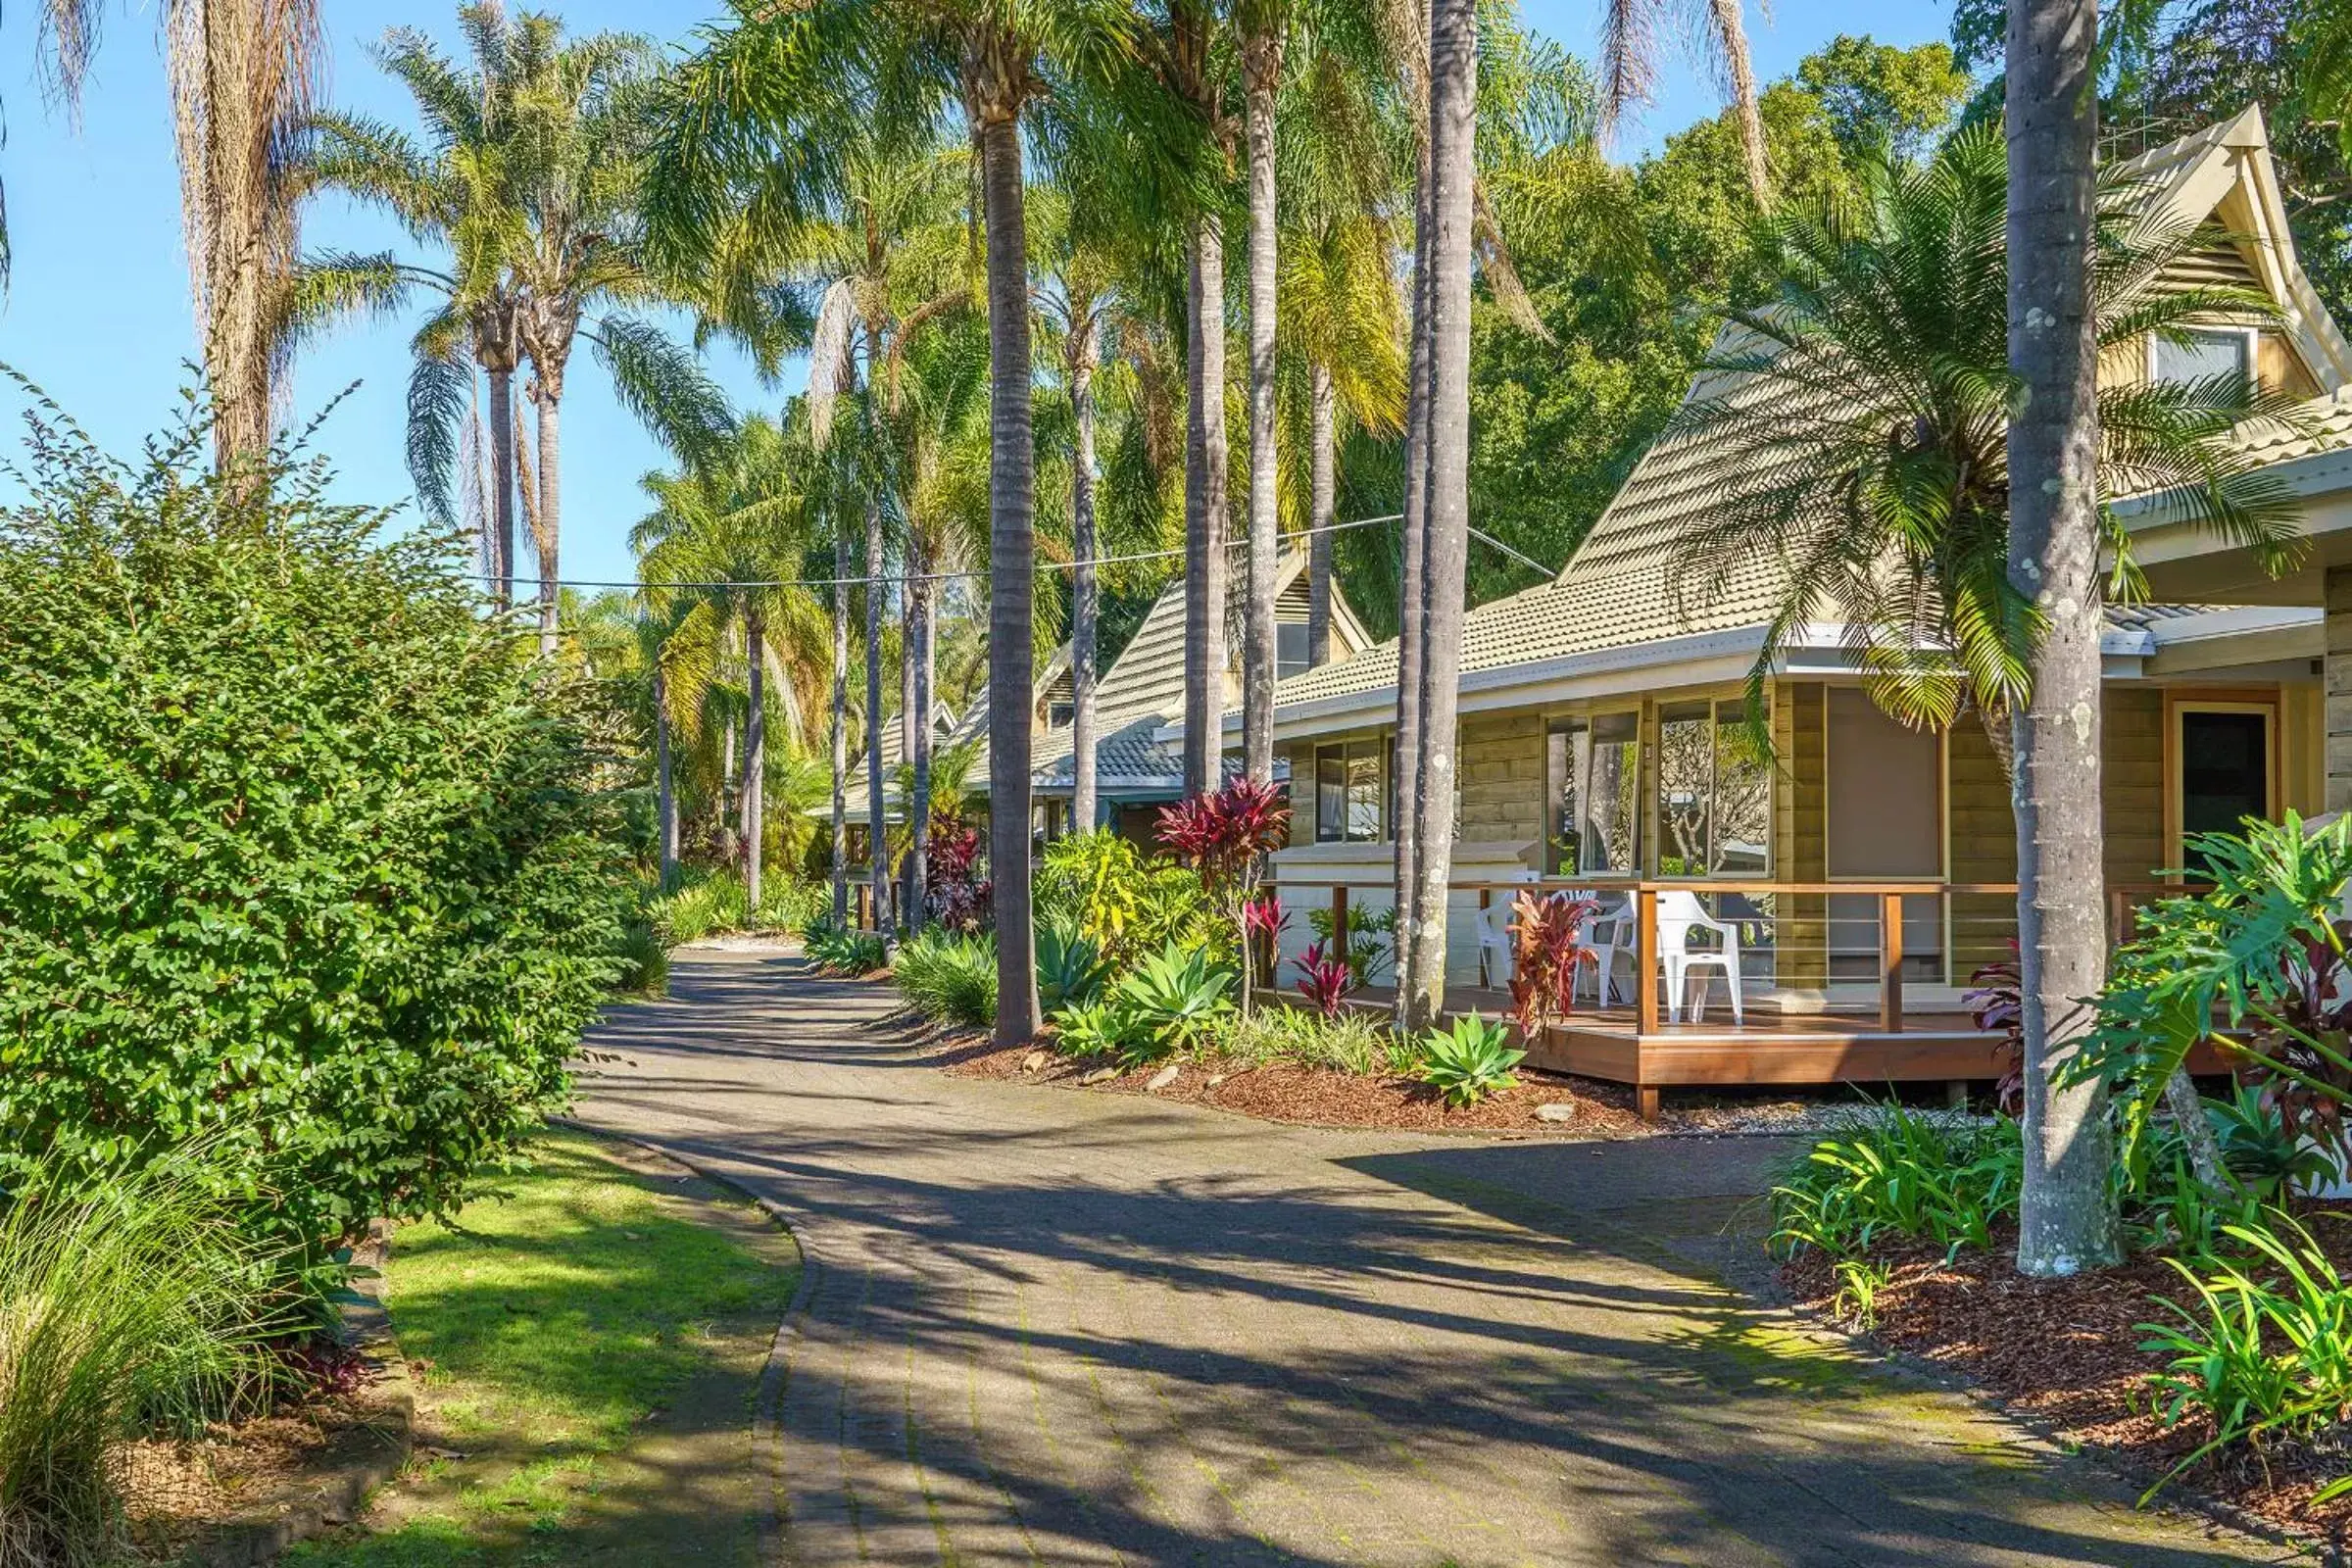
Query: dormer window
x=2203, y=354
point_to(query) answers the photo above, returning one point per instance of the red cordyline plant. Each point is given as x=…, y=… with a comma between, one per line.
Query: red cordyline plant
x=1225, y=836
x=958, y=893
x=1324, y=980
x=1550, y=932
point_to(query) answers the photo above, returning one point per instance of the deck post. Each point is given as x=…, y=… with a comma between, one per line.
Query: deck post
x=1645, y=949
x=1485, y=978
x=865, y=903
x=1645, y=1101
x=1890, y=963
x=2119, y=917
x=1339, y=921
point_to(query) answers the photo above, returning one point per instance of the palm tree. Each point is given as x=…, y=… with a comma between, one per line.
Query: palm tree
x=241, y=74
x=1264, y=26
x=456, y=195
x=737, y=110
x=1890, y=318
x=2067, y=1218
x=1444, y=561
x=1631, y=33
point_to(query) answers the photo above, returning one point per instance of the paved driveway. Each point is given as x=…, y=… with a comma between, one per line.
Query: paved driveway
x=1046, y=1327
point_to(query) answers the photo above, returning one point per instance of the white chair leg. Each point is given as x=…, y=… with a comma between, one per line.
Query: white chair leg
x=1674, y=988
x=1731, y=978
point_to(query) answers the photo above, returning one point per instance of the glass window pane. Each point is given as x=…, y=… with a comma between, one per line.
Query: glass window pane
x=1331, y=795
x=1608, y=825
x=1363, y=792
x=2202, y=357
x=1290, y=647
x=1743, y=844
x=1563, y=747
x=1686, y=786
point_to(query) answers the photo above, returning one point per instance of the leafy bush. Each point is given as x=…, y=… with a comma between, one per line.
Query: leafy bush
x=1096, y=1029
x=1351, y=1042
x=2257, y=966
x=957, y=893
x=713, y=904
x=1069, y=967
x=644, y=953
x=299, y=852
x=1898, y=1171
x=1226, y=836
x=125, y=1301
x=2262, y=1354
x=1548, y=937
x=1370, y=940
x=1325, y=981
x=950, y=978
x=1175, y=996
x=1093, y=882
x=1470, y=1060
x=838, y=950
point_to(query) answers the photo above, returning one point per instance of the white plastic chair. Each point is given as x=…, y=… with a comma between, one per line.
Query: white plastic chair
x=1498, y=935
x=1608, y=934
x=1680, y=913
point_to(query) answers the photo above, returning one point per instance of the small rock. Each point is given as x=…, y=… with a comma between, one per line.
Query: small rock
x=1035, y=1061
x=1161, y=1079
x=1100, y=1075
x=1556, y=1110
x=1216, y=1079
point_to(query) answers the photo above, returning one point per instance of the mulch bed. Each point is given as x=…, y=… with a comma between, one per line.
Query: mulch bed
x=2065, y=1352
x=1318, y=1097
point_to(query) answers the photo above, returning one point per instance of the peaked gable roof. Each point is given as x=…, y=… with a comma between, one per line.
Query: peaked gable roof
x=1615, y=601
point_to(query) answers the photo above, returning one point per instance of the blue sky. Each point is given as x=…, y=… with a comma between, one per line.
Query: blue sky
x=97, y=312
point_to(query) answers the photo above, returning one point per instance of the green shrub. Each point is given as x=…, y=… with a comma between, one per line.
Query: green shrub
x=299, y=851
x=1350, y=1041
x=836, y=950
x=1094, y=1029
x=1070, y=969
x=1470, y=1060
x=1175, y=996
x=950, y=979
x=125, y=1301
x=712, y=904
x=2266, y=1349
x=1102, y=886
x=1896, y=1171
x=644, y=953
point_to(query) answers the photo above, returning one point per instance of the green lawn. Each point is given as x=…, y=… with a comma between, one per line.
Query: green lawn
x=586, y=1351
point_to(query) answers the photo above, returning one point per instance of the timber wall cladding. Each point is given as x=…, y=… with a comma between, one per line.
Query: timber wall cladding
x=1501, y=759
x=1801, y=830
x=2131, y=783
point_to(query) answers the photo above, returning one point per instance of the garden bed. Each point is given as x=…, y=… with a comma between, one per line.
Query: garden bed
x=1315, y=1097
x=2065, y=1353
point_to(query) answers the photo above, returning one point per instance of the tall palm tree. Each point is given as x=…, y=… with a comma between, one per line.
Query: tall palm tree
x=241, y=75
x=2067, y=1211
x=1264, y=27
x=736, y=110
x=454, y=192
x=1631, y=35
x=1445, y=562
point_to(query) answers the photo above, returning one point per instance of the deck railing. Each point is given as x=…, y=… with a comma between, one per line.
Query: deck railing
x=1874, y=950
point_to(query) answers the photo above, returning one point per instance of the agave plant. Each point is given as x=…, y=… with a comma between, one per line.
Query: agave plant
x=1176, y=995
x=1470, y=1060
x=1071, y=969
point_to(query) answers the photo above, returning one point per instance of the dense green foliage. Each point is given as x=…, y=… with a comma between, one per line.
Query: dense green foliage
x=949, y=978
x=712, y=904
x=1470, y=1059
x=299, y=854
x=124, y=1302
x=838, y=950
x=1894, y=1172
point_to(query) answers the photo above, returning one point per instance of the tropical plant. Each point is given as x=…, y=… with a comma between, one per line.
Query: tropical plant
x=1325, y=980
x=1370, y=937
x=2257, y=967
x=1889, y=316
x=1354, y=1041
x=1548, y=937
x=1176, y=997
x=1996, y=1005
x=2266, y=1349
x=1096, y=880
x=839, y=951
x=950, y=978
x=644, y=955
x=1861, y=1281
x=957, y=889
x=205, y=663
x=1225, y=836
x=1895, y=1171
x=1071, y=969
x=1094, y=1029
x=1470, y=1060
x=128, y=1300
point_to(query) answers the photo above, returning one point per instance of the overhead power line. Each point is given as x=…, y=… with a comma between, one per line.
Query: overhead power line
x=521, y=580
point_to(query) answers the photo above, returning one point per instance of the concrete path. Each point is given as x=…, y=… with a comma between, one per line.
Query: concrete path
x=1044, y=1326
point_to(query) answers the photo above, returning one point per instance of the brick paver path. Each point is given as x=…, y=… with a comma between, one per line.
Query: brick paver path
x=1042, y=1327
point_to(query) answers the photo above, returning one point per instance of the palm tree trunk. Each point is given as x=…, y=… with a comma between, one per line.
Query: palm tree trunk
x=1261, y=62
x=755, y=757
x=1205, y=511
x=1012, y=504
x=877, y=822
x=2066, y=1219
x=905, y=878
x=840, y=725
x=551, y=529
x=919, y=812
x=1322, y=508
x=1406, y=786
x=1453, y=103
x=1082, y=582
x=502, y=479
x=666, y=793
